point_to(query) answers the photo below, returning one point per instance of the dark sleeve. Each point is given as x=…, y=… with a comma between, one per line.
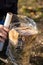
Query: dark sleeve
x=8, y=6
x=12, y=6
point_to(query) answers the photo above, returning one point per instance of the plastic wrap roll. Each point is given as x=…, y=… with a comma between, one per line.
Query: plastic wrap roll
x=6, y=24
x=8, y=19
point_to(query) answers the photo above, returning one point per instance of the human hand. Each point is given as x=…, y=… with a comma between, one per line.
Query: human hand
x=3, y=33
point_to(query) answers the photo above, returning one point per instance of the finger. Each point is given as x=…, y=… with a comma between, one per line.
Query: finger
x=6, y=29
x=3, y=35
x=1, y=26
x=3, y=32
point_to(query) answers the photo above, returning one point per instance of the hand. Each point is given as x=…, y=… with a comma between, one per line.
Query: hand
x=3, y=33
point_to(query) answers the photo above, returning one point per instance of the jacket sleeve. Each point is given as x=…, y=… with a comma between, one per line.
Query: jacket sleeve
x=12, y=6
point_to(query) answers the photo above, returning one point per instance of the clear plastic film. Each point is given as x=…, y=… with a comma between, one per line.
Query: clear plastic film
x=21, y=38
